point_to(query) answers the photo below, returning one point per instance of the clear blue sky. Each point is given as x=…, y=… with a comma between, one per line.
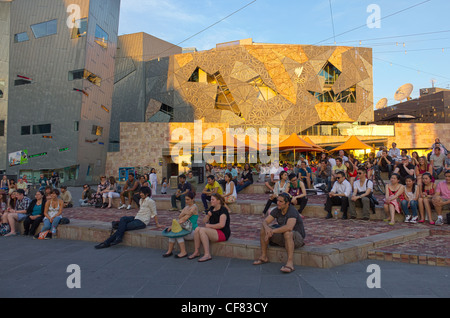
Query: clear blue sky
x=311, y=22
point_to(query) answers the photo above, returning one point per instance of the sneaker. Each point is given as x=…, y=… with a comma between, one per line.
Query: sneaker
x=439, y=221
x=123, y=206
x=129, y=207
x=408, y=219
x=414, y=219
x=173, y=209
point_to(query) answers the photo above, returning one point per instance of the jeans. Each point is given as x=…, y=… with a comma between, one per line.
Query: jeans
x=387, y=168
x=205, y=198
x=437, y=172
x=126, y=223
x=242, y=187
x=174, y=199
x=413, y=205
x=51, y=225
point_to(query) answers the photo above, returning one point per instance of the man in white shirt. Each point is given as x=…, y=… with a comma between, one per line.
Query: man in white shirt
x=339, y=195
x=395, y=154
x=362, y=188
x=275, y=170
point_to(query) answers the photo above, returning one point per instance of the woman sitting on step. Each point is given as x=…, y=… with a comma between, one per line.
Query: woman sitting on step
x=280, y=186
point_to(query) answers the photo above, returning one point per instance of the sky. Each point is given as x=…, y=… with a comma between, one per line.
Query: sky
x=410, y=38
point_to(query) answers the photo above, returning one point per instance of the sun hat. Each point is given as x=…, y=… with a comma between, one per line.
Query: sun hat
x=177, y=230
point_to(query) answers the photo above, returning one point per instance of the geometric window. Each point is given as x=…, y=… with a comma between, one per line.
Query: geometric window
x=2, y=128
x=346, y=96
x=168, y=110
x=101, y=37
x=1, y=93
x=224, y=98
x=97, y=130
x=264, y=92
x=21, y=37
x=330, y=72
x=25, y=130
x=81, y=30
x=42, y=129
x=200, y=76
x=85, y=74
x=21, y=82
x=44, y=29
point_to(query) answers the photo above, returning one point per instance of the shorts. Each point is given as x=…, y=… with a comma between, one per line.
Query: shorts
x=21, y=216
x=221, y=236
x=278, y=239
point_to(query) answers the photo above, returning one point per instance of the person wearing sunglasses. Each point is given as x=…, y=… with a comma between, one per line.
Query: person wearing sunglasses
x=339, y=195
x=362, y=189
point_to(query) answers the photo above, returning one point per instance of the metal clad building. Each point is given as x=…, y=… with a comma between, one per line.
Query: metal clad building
x=59, y=86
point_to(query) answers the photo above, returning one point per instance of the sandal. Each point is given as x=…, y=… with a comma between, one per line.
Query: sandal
x=260, y=262
x=289, y=269
x=203, y=259
x=190, y=257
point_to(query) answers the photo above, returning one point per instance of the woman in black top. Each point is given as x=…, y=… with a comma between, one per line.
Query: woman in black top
x=247, y=178
x=35, y=214
x=216, y=229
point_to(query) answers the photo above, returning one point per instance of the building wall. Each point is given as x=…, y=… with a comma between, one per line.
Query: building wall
x=51, y=98
x=129, y=99
x=4, y=76
x=266, y=85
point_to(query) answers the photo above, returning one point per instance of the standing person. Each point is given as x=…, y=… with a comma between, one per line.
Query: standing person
x=427, y=192
x=442, y=197
x=339, y=195
x=55, y=179
x=216, y=229
x=437, y=161
x=183, y=189
x=411, y=200
x=35, y=214
x=131, y=187
x=280, y=187
x=147, y=211
x=246, y=178
x=362, y=189
x=189, y=213
x=289, y=232
x=394, y=193
x=19, y=213
x=153, y=178
x=52, y=213
x=4, y=183
x=111, y=192
x=297, y=190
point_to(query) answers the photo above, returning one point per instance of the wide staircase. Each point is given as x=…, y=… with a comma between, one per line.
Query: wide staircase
x=329, y=242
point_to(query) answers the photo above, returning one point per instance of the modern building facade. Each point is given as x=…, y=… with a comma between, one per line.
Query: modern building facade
x=246, y=84
x=57, y=87
x=129, y=98
x=433, y=106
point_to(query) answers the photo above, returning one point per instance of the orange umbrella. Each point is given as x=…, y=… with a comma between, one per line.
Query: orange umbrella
x=294, y=142
x=308, y=140
x=226, y=140
x=351, y=144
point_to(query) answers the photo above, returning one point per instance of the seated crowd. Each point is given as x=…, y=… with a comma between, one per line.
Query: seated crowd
x=413, y=189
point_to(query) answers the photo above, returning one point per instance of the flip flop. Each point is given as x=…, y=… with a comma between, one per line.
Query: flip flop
x=202, y=260
x=260, y=262
x=177, y=256
x=289, y=269
x=192, y=257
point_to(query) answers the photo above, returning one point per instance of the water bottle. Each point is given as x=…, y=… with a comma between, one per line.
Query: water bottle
x=336, y=214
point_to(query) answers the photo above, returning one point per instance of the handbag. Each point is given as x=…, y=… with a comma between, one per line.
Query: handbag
x=187, y=225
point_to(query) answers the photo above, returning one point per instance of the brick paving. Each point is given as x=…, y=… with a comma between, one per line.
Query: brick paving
x=320, y=232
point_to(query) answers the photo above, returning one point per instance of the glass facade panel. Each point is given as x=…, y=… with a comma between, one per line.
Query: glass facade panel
x=21, y=37
x=101, y=37
x=45, y=28
x=2, y=128
x=42, y=129
x=80, y=28
x=97, y=130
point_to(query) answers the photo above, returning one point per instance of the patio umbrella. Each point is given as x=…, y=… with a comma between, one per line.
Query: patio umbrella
x=308, y=140
x=294, y=142
x=351, y=144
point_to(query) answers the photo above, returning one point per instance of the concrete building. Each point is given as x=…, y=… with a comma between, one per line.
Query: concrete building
x=57, y=80
x=130, y=98
x=432, y=106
